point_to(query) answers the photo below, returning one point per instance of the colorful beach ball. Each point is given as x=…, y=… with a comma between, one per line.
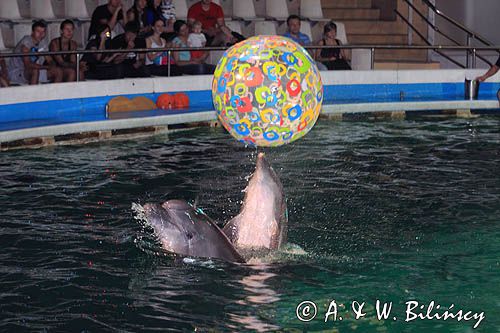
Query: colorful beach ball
x=267, y=91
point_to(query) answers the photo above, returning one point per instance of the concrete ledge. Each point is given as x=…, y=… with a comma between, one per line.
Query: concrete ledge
x=106, y=125
x=85, y=132
x=408, y=106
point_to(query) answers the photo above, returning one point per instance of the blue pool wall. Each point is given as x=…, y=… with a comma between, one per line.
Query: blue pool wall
x=86, y=101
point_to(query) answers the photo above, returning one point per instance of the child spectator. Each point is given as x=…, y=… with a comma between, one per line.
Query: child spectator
x=211, y=17
x=183, y=59
x=4, y=75
x=67, y=62
x=197, y=39
x=33, y=69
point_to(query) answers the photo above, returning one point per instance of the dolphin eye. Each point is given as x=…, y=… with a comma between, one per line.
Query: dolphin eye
x=189, y=235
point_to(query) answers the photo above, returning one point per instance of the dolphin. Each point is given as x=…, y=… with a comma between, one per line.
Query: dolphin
x=263, y=219
x=184, y=230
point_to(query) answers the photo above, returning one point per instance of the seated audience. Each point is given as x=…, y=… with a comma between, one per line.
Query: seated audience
x=100, y=66
x=211, y=17
x=293, y=32
x=110, y=14
x=183, y=59
x=332, y=58
x=4, y=74
x=67, y=62
x=157, y=62
x=132, y=63
x=33, y=69
x=197, y=39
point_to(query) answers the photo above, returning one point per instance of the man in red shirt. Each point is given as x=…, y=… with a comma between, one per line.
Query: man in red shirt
x=211, y=17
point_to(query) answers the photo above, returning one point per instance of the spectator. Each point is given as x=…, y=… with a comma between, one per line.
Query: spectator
x=211, y=17
x=109, y=14
x=197, y=39
x=66, y=62
x=332, y=58
x=33, y=69
x=138, y=15
x=100, y=66
x=293, y=32
x=157, y=62
x=491, y=71
x=132, y=63
x=168, y=12
x=183, y=60
x=4, y=75
x=153, y=12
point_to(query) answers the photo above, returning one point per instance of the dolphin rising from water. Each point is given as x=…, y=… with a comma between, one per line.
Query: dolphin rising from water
x=263, y=218
x=260, y=225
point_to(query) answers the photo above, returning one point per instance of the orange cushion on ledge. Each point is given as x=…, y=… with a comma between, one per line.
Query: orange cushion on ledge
x=181, y=101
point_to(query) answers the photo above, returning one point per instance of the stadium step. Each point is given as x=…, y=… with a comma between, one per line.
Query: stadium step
x=352, y=14
x=391, y=65
x=366, y=23
x=375, y=27
x=346, y=4
x=401, y=55
x=395, y=39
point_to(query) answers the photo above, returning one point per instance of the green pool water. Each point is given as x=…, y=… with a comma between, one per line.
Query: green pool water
x=395, y=211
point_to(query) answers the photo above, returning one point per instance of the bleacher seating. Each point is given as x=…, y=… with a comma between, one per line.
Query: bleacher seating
x=2, y=44
x=265, y=28
x=18, y=16
x=76, y=9
x=245, y=10
x=42, y=9
x=341, y=34
x=311, y=10
x=181, y=9
x=234, y=26
x=20, y=30
x=9, y=10
x=305, y=28
x=277, y=10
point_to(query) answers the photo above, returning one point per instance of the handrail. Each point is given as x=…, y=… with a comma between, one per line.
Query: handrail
x=426, y=41
x=371, y=47
x=429, y=23
x=223, y=48
x=457, y=24
x=470, y=34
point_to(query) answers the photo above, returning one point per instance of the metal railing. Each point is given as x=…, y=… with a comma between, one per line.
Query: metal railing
x=470, y=53
x=371, y=47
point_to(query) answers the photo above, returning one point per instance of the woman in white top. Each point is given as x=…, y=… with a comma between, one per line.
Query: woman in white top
x=157, y=62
